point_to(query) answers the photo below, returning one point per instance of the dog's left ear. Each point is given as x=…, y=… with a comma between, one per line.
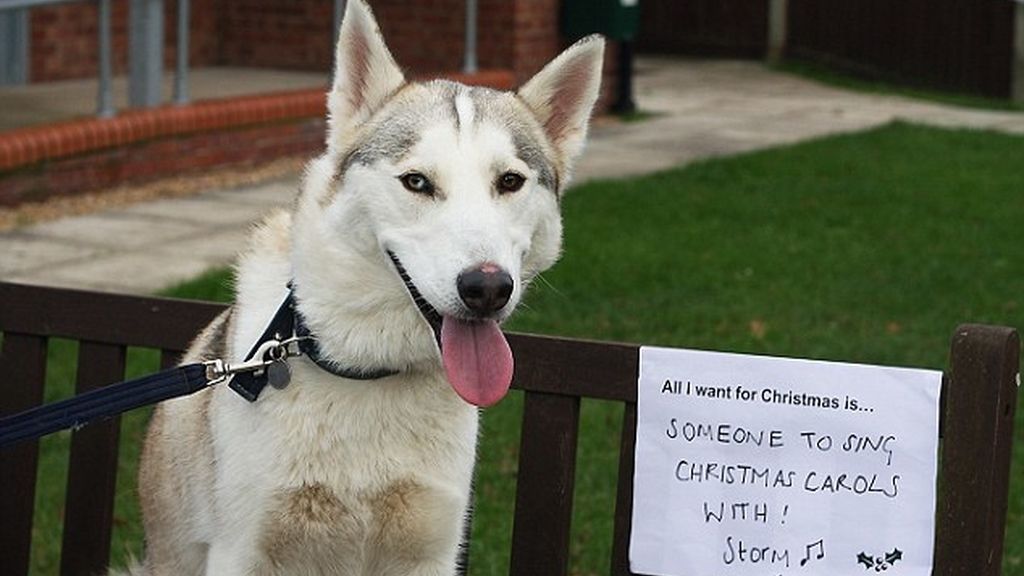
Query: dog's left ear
x=562, y=96
x=365, y=73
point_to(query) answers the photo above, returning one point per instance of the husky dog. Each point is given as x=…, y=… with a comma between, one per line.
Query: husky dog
x=413, y=238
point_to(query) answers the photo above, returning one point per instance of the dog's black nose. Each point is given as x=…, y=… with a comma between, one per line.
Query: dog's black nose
x=485, y=289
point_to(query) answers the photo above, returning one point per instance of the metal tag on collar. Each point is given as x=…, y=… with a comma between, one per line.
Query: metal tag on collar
x=249, y=385
x=279, y=374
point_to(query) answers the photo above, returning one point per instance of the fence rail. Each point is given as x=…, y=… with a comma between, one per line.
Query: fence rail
x=979, y=392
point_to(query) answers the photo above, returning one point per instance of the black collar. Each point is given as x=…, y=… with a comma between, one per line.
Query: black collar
x=286, y=323
x=309, y=346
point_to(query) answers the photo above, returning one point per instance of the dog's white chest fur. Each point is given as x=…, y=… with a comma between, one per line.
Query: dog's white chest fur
x=334, y=479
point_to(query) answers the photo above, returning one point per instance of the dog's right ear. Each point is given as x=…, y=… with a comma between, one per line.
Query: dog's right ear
x=563, y=94
x=365, y=73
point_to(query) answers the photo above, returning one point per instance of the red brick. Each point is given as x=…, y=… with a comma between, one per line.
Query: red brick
x=7, y=154
x=76, y=139
x=105, y=131
x=34, y=147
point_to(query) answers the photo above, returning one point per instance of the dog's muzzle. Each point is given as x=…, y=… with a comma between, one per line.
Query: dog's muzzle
x=475, y=355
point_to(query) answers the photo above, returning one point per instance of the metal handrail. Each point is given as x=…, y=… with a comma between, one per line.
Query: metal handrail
x=105, y=99
x=16, y=4
x=181, y=62
x=469, y=63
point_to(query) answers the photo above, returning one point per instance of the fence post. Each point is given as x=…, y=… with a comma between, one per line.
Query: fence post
x=14, y=42
x=544, y=485
x=105, y=98
x=22, y=377
x=146, y=52
x=92, y=468
x=777, y=14
x=980, y=402
x=469, y=63
x=181, y=66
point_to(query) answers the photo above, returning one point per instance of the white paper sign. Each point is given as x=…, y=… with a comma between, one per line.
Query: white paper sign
x=758, y=466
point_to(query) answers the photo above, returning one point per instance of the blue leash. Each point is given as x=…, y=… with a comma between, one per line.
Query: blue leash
x=103, y=403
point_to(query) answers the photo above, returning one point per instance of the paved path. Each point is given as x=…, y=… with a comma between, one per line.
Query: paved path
x=705, y=108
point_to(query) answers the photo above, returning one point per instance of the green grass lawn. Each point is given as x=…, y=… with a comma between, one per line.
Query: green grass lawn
x=866, y=248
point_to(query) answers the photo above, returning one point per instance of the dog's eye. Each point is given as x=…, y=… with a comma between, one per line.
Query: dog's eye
x=510, y=182
x=416, y=182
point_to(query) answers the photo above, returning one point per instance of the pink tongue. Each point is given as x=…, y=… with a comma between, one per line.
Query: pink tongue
x=477, y=360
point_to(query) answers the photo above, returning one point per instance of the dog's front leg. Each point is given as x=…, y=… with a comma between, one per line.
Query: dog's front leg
x=416, y=530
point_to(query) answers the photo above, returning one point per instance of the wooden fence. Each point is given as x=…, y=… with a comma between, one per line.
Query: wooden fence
x=735, y=28
x=957, y=45
x=979, y=401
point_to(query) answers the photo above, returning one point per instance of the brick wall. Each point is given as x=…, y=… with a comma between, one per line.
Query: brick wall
x=535, y=33
x=204, y=32
x=293, y=34
x=146, y=161
x=64, y=43
x=63, y=40
x=426, y=36
x=495, y=41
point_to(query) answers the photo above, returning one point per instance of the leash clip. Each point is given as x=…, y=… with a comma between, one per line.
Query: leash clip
x=269, y=353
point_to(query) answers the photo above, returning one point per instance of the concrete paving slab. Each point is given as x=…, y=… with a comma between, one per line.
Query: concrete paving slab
x=21, y=251
x=115, y=229
x=132, y=272
x=205, y=209
x=216, y=249
x=270, y=194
